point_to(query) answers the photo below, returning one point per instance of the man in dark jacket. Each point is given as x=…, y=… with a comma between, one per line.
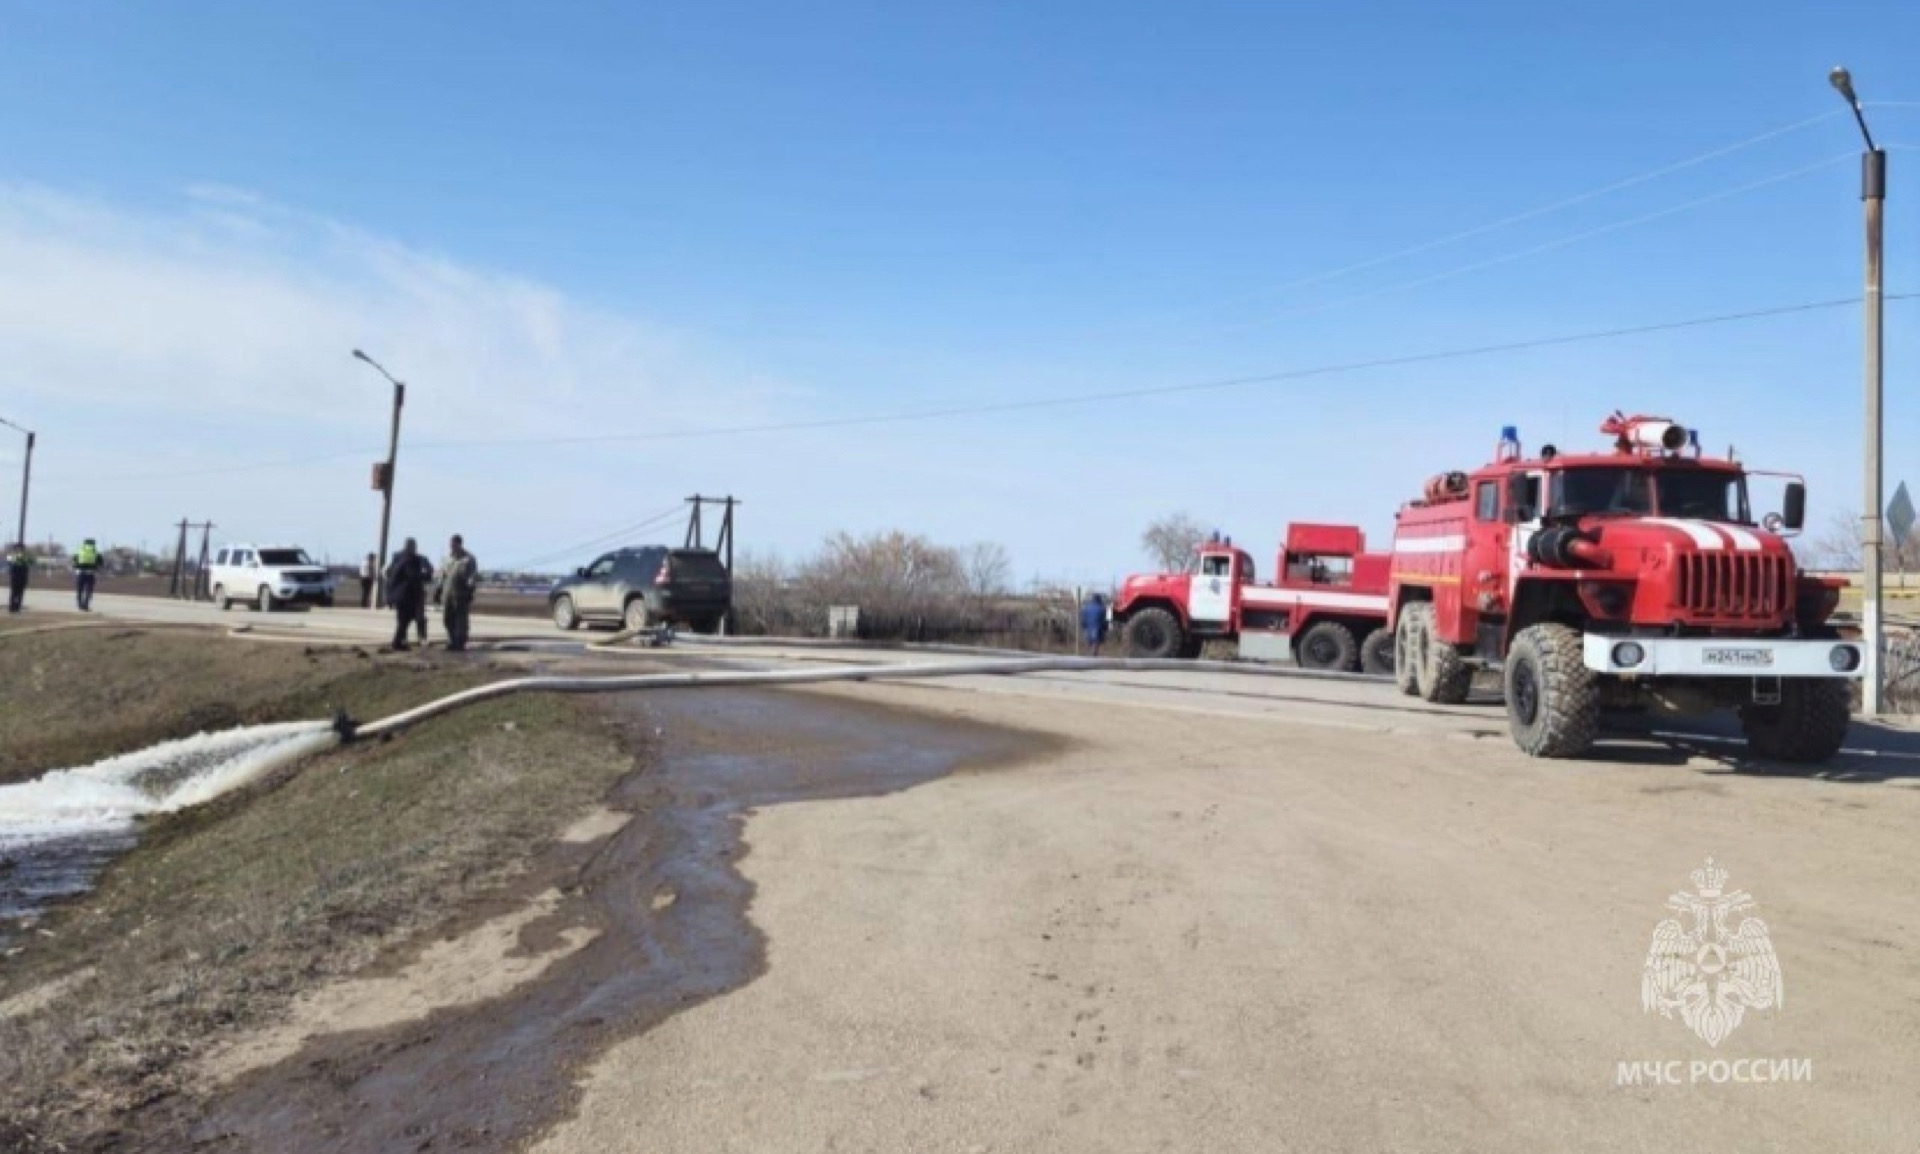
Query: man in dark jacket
x=406, y=591
x=1093, y=623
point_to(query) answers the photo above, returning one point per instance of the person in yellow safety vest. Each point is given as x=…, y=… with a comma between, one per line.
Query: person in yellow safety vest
x=86, y=567
x=19, y=565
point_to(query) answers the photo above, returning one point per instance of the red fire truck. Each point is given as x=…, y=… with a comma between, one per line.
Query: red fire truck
x=1628, y=580
x=1326, y=610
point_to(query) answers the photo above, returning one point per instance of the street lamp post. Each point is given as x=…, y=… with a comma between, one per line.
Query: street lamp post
x=386, y=478
x=1873, y=197
x=26, y=479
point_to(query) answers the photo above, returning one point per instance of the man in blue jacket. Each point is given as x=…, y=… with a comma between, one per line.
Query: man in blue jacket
x=1093, y=623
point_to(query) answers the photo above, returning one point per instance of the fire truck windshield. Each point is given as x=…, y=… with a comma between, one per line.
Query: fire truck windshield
x=1621, y=491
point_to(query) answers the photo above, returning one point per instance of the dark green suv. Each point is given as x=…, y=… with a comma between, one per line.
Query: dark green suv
x=646, y=586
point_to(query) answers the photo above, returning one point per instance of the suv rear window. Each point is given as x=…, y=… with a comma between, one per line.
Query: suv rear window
x=698, y=565
x=284, y=557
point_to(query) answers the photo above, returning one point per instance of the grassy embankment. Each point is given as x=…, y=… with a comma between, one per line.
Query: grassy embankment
x=224, y=913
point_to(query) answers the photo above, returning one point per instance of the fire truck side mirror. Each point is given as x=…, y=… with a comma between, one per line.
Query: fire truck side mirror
x=1793, y=509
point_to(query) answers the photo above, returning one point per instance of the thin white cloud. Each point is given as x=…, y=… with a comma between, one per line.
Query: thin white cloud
x=232, y=304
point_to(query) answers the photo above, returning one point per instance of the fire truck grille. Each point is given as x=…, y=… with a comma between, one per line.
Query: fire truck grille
x=1733, y=585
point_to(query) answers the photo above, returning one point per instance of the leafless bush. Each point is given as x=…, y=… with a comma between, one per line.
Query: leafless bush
x=906, y=587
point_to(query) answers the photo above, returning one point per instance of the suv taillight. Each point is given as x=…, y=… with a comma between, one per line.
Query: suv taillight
x=665, y=576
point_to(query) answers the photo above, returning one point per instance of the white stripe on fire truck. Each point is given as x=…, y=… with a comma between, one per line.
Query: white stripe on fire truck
x=1702, y=533
x=1429, y=544
x=1742, y=540
x=1253, y=596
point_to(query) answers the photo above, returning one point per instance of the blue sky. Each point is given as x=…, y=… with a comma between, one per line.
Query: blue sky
x=579, y=220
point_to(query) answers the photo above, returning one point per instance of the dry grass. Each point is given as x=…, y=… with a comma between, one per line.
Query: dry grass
x=224, y=913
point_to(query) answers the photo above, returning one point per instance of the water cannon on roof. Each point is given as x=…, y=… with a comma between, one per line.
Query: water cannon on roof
x=1644, y=434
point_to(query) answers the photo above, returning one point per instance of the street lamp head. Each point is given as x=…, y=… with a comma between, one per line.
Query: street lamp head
x=362, y=356
x=1842, y=82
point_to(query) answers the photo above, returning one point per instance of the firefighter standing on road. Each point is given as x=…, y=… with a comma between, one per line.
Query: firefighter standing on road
x=406, y=592
x=459, y=577
x=86, y=569
x=1093, y=623
x=369, y=573
x=19, y=565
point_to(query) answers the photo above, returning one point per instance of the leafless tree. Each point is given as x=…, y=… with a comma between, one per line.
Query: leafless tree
x=989, y=571
x=1838, y=546
x=893, y=574
x=1169, y=541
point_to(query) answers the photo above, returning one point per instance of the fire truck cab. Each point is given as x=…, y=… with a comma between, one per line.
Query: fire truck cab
x=1325, y=608
x=1626, y=580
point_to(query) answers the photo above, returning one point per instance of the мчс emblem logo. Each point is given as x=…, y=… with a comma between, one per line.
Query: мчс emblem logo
x=1710, y=972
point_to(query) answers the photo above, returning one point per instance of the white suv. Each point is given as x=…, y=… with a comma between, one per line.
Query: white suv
x=268, y=576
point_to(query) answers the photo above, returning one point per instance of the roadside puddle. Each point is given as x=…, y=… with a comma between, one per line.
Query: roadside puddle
x=668, y=911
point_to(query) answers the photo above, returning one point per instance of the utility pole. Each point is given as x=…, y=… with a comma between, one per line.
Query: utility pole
x=383, y=478
x=202, y=590
x=179, y=562
x=26, y=479
x=696, y=536
x=1873, y=198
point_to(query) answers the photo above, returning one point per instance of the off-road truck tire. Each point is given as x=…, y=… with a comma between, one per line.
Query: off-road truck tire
x=1376, y=652
x=1328, y=646
x=1155, y=633
x=1809, y=725
x=1553, y=699
x=1443, y=675
x=1408, y=632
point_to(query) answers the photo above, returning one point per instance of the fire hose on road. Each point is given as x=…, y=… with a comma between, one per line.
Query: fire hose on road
x=997, y=666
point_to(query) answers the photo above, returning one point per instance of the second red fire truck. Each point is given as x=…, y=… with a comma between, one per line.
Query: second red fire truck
x=1326, y=607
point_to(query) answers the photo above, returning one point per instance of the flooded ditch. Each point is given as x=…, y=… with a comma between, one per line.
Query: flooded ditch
x=59, y=830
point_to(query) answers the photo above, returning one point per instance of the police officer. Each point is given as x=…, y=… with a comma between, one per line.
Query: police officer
x=406, y=592
x=459, y=578
x=86, y=568
x=19, y=565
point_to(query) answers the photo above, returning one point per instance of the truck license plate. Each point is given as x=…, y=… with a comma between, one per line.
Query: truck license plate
x=1739, y=658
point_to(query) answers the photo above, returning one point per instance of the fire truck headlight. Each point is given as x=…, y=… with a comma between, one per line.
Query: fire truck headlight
x=1844, y=658
x=1628, y=654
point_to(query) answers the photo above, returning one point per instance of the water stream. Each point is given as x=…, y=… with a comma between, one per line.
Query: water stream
x=58, y=831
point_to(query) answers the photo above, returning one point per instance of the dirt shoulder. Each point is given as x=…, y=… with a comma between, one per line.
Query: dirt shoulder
x=1243, y=933
x=72, y=696
x=225, y=914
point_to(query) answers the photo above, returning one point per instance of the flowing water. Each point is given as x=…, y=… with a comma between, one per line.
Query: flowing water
x=58, y=831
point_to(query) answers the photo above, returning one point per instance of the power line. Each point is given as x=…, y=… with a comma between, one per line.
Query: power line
x=1516, y=218
x=1334, y=369
x=1548, y=246
x=1068, y=400
x=648, y=522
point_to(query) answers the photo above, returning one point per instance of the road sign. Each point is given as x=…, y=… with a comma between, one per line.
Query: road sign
x=1900, y=515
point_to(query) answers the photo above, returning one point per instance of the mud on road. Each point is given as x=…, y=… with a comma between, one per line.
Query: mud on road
x=668, y=909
